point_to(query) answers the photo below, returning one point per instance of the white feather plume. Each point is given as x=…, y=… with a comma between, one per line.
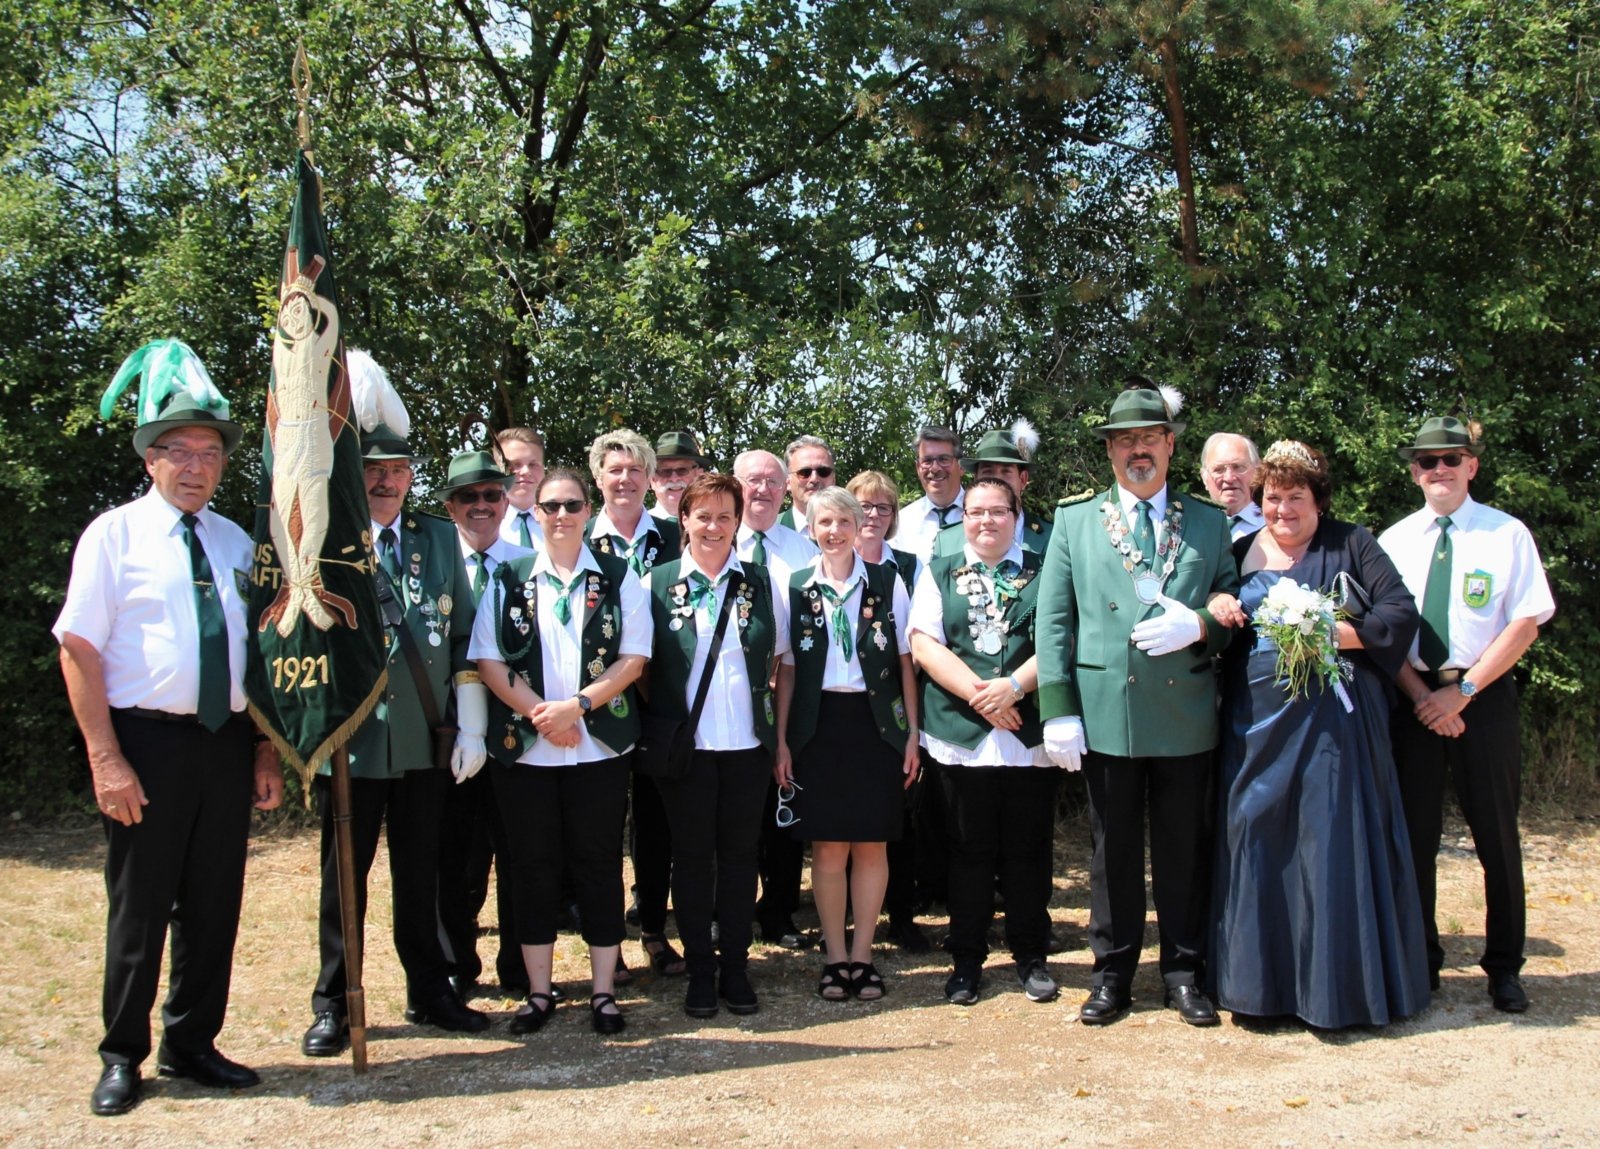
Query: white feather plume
x=372, y=395
x=1173, y=398
x=1025, y=437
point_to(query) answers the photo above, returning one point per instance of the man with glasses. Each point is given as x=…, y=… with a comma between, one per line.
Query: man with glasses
x=1228, y=465
x=1003, y=455
x=1124, y=642
x=810, y=464
x=426, y=600
x=472, y=837
x=1478, y=580
x=939, y=472
x=152, y=637
x=520, y=453
x=679, y=462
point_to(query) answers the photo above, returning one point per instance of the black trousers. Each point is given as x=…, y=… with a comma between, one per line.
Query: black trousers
x=565, y=817
x=912, y=857
x=781, y=860
x=716, y=814
x=1485, y=764
x=471, y=843
x=1179, y=794
x=651, y=847
x=411, y=807
x=1001, y=819
x=181, y=867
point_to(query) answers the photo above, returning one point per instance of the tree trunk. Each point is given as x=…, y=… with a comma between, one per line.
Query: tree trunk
x=1189, y=228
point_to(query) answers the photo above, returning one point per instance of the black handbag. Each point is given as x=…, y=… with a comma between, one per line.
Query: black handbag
x=666, y=743
x=1350, y=598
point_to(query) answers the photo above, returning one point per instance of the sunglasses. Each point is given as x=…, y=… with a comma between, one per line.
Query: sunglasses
x=470, y=498
x=1429, y=462
x=819, y=472
x=786, y=817
x=571, y=506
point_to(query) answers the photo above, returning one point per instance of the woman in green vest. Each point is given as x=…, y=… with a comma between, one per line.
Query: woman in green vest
x=972, y=630
x=715, y=808
x=847, y=733
x=559, y=638
x=880, y=516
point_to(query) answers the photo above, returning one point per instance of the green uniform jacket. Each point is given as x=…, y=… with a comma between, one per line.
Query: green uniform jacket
x=673, y=658
x=808, y=641
x=434, y=588
x=950, y=718
x=1132, y=704
x=617, y=722
x=951, y=538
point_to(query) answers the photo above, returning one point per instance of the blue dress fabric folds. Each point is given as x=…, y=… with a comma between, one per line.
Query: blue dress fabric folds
x=1316, y=906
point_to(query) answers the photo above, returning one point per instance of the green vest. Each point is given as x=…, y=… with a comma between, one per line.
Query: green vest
x=673, y=657
x=880, y=665
x=511, y=589
x=905, y=565
x=948, y=717
x=662, y=542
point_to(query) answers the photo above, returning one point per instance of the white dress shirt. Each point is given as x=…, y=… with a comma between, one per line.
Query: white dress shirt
x=999, y=747
x=787, y=551
x=511, y=528
x=1249, y=520
x=727, y=722
x=131, y=597
x=648, y=524
x=561, y=650
x=844, y=674
x=1489, y=550
x=918, y=524
x=500, y=551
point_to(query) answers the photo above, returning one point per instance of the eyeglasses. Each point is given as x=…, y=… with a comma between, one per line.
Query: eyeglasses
x=571, y=506
x=183, y=456
x=382, y=471
x=819, y=472
x=1220, y=469
x=1429, y=462
x=761, y=483
x=784, y=816
x=936, y=461
x=1139, y=439
x=882, y=510
x=675, y=472
x=491, y=495
x=986, y=512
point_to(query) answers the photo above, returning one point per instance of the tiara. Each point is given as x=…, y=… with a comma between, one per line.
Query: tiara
x=1288, y=450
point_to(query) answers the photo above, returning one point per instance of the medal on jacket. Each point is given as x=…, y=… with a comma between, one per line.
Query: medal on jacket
x=1147, y=584
x=985, y=626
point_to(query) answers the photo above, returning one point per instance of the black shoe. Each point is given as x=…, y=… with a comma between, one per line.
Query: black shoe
x=1036, y=981
x=606, y=1023
x=446, y=1012
x=463, y=987
x=1433, y=980
x=700, y=999
x=783, y=933
x=1192, y=1005
x=531, y=1020
x=907, y=935
x=1103, y=1006
x=1507, y=993
x=117, y=1092
x=964, y=984
x=329, y=1035
x=210, y=1069
x=735, y=989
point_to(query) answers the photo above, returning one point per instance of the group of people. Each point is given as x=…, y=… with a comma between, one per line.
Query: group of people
x=734, y=680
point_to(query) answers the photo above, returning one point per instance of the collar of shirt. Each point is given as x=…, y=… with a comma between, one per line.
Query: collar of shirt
x=499, y=551
x=1461, y=518
x=858, y=573
x=688, y=566
x=378, y=528
x=543, y=565
x=1130, y=503
x=1013, y=555
x=165, y=517
x=604, y=526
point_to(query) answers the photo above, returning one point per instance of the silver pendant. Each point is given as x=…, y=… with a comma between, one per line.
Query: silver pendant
x=675, y=624
x=989, y=642
x=434, y=639
x=1147, y=587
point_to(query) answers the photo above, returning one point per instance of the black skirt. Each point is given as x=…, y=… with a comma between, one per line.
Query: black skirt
x=851, y=782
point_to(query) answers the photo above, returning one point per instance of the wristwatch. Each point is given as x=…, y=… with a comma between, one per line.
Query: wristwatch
x=583, y=702
x=1017, y=693
x=1468, y=688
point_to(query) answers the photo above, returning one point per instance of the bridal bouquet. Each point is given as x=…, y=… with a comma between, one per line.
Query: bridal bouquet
x=1300, y=622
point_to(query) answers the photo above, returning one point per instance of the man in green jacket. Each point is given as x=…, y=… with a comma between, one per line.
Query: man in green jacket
x=1126, y=687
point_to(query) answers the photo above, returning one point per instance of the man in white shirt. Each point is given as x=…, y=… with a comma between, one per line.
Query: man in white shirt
x=762, y=537
x=1477, y=578
x=1228, y=465
x=520, y=453
x=939, y=472
x=810, y=468
x=153, y=648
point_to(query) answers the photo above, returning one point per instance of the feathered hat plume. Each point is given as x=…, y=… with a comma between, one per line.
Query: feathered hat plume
x=164, y=367
x=1025, y=437
x=373, y=397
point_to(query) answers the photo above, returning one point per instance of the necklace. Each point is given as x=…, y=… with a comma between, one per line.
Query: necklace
x=1147, y=584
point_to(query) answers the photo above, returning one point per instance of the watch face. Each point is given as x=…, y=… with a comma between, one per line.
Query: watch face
x=1468, y=689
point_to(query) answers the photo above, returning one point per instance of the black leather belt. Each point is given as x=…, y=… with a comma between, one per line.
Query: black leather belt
x=160, y=715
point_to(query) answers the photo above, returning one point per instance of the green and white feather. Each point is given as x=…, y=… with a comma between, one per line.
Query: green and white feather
x=164, y=368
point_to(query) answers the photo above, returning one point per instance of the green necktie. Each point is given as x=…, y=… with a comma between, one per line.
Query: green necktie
x=759, y=553
x=563, y=603
x=1004, y=589
x=1433, y=640
x=629, y=551
x=1144, y=535
x=841, y=621
x=480, y=579
x=522, y=528
x=389, y=552
x=216, y=679
x=702, y=591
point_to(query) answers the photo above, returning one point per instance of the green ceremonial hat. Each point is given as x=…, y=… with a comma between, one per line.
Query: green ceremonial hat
x=1014, y=446
x=468, y=469
x=681, y=445
x=384, y=442
x=175, y=390
x=1142, y=407
x=1443, y=433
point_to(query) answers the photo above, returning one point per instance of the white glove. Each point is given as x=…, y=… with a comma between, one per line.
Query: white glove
x=1064, y=743
x=472, y=717
x=1177, y=628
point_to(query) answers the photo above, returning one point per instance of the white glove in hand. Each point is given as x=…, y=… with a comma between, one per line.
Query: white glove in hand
x=1064, y=743
x=472, y=715
x=1177, y=628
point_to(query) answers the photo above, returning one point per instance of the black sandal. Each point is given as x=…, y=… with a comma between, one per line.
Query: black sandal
x=835, y=977
x=533, y=1019
x=866, y=981
x=665, y=960
x=606, y=1023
